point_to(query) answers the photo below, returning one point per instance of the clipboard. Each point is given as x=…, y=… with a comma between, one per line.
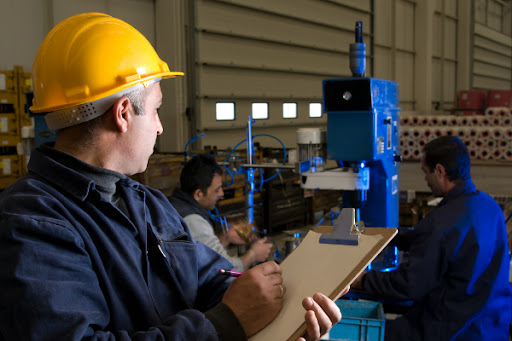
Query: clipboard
x=327, y=268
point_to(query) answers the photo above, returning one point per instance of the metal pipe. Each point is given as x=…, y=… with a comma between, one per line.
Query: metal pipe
x=249, y=193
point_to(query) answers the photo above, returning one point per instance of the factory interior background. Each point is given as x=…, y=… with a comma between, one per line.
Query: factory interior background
x=253, y=94
x=266, y=59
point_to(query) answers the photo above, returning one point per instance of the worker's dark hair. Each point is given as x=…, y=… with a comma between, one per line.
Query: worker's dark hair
x=450, y=152
x=198, y=172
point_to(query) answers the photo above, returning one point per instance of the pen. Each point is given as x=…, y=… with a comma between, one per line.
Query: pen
x=232, y=273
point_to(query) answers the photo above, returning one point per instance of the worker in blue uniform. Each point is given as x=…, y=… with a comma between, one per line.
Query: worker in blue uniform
x=88, y=253
x=458, y=262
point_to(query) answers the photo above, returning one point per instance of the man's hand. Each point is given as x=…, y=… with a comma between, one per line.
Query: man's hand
x=256, y=296
x=322, y=313
x=258, y=252
x=261, y=250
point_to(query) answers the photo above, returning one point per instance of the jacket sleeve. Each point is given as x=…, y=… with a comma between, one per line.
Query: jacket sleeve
x=408, y=281
x=202, y=231
x=50, y=290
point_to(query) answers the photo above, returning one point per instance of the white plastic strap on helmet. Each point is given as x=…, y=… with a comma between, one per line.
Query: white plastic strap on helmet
x=85, y=112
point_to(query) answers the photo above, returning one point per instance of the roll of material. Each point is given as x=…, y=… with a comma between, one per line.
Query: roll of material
x=462, y=121
x=421, y=132
x=498, y=111
x=486, y=136
x=484, y=133
x=414, y=120
x=411, y=143
x=507, y=155
x=447, y=131
x=479, y=121
x=508, y=133
x=475, y=121
x=422, y=142
x=497, y=154
x=445, y=121
x=406, y=153
x=490, y=111
x=484, y=154
x=497, y=133
x=473, y=132
x=405, y=133
x=454, y=121
x=473, y=154
x=461, y=133
x=479, y=143
x=416, y=133
x=437, y=132
x=503, y=144
x=496, y=121
x=424, y=121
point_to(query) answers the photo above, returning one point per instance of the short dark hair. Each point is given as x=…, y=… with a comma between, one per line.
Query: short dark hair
x=452, y=154
x=198, y=172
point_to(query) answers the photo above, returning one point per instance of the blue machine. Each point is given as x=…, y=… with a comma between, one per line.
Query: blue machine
x=363, y=136
x=363, y=131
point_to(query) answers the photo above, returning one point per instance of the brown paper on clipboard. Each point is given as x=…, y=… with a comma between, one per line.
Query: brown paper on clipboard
x=327, y=268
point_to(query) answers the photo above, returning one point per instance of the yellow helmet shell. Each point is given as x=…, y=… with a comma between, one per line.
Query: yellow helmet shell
x=91, y=56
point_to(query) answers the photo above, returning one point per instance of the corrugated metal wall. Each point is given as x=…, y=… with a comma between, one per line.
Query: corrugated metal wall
x=273, y=52
x=394, y=46
x=444, y=56
x=492, y=45
x=280, y=51
x=246, y=51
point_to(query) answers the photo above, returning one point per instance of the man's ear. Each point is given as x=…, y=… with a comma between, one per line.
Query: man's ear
x=120, y=111
x=197, y=194
x=440, y=170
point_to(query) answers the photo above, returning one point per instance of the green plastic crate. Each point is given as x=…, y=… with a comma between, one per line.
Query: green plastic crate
x=361, y=321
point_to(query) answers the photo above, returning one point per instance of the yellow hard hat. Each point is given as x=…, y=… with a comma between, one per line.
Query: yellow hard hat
x=86, y=59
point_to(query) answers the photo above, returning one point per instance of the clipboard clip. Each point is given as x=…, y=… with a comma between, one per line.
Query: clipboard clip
x=345, y=231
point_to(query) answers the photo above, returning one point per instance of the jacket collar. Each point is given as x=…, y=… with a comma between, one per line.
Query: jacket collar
x=465, y=187
x=60, y=169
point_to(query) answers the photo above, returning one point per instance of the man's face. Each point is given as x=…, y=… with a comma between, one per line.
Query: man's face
x=213, y=193
x=145, y=129
x=432, y=179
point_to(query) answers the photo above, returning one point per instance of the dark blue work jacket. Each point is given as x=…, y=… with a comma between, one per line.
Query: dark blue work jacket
x=457, y=273
x=74, y=267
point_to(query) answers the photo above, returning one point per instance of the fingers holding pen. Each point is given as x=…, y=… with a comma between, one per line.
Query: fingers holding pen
x=254, y=296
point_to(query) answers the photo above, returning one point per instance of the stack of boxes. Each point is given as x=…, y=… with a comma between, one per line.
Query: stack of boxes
x=475, y=102
x=13, y=117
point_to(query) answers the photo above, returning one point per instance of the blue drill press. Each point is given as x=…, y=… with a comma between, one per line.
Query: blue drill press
x=363, y=127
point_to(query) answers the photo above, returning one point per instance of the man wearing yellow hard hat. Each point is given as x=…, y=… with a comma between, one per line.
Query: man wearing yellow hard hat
x=88, y=253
